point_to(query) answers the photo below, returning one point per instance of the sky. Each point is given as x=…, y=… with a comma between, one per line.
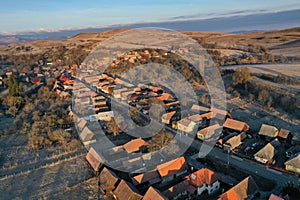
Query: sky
x=34, y=15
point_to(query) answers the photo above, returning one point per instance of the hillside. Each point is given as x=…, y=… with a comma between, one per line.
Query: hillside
x=284, y=42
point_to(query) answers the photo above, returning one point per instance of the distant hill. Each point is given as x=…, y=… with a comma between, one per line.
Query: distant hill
x=233, y=24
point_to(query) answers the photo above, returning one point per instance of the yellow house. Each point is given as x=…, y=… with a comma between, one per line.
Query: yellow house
x=186, y=125
x=293, y=164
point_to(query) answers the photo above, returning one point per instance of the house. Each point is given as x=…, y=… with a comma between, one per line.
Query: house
x=36, y=80
x=208, y=132
x=196, y=118
x=234, y=141
x=186, y=125
x=87, y=94
x=236, y=125
x=166, y=118
x=246, y=189
x=199, y=109
x=87, y=136
x=117, y=92
x=174, y=168
x=170, y=106
x=267, y=153
x=154, y=194
x=124, y=83
x=134, y=145
x=105, y=116
x=164, y=97
x=131, y=164
x=82, y=123
x=94, y=159
x=268, y=131
x=204, y=180
x=220, y=114
x=285, y=135
x=207, y=115
x=275, y=197
x=126, y=191
x=178, y=191
x=125, y=96
x=108, y=180
x=293, y=164
x=295, y=139
x=150, y=177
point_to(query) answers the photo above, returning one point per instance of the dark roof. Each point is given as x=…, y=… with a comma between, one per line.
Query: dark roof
x=145, y=177
x=176, y=189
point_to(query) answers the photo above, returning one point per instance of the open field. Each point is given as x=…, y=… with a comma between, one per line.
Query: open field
x=46, y=181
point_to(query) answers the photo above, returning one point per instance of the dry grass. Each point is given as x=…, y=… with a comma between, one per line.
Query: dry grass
x=46, y=181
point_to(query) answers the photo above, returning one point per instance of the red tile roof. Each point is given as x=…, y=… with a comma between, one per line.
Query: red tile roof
x=126, y=191
x=87, y=94
x=275, y=197
x=236, y=125
x=134, y=145
x=169, y=115
x=172, y=167
x=108, y=179
x=154, y=194
x=203, y=176
x=283, y=133
x=242, y=190
x=94, y=159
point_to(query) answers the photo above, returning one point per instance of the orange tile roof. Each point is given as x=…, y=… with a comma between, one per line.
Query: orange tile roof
x=218, y=112
x=94, y=159
x=242, y=190
x=172, y=167
x=195, y=118
x=154, y=194
x=184, y=121
x=206, y=115
x=168, y=115
x=236, y=125
x=283, y=133
x=199, y=108
x=203, y=176
x=208, y=131
x=134, y=145
x=107, y=179
x=126, y=191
